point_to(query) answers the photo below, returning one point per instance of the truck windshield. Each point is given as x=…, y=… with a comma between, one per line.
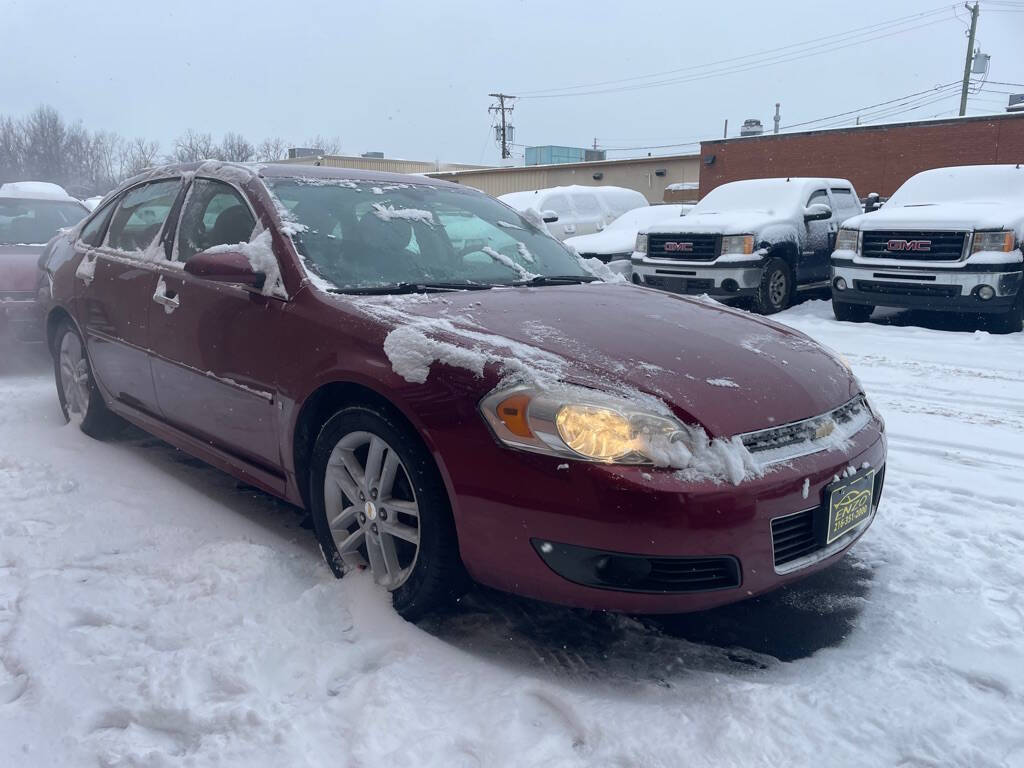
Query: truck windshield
x=27, y=221
x=767, y=195
x=992, y=183
x=366, y=235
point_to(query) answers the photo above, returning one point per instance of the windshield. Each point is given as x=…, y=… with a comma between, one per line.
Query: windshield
x=367, y=235
x=26, y=221
x=767, y=195
x=976, y=183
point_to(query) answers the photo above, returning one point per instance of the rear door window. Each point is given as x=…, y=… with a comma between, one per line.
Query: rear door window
x=559, y=204
x=141, y=214
x=587, y=205
x=845, y=202
x=215, y=214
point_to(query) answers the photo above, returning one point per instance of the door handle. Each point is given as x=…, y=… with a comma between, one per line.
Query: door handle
x=167, y=299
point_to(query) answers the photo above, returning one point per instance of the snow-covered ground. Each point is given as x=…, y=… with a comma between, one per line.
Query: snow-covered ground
x=153, y=613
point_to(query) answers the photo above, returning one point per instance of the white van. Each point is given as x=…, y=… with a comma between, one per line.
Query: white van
x=576, y=209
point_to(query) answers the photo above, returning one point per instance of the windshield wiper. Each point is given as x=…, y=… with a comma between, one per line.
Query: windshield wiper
x=377, y=290
x=557, y=280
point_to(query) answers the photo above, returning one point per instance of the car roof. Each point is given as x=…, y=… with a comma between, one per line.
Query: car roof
x=35, y=190
x=293, y=170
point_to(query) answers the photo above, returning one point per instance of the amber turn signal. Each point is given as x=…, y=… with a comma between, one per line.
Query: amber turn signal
x=512, y=413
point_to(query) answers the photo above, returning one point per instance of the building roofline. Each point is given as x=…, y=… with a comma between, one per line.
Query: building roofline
x=871, y=127
x=582, y=163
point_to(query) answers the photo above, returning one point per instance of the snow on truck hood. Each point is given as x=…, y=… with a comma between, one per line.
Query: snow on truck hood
x=724, y=369
x=943, y=216
x=725, y=223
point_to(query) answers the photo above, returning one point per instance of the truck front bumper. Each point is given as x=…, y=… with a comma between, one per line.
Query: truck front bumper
x=959, y=290
x=730, y=279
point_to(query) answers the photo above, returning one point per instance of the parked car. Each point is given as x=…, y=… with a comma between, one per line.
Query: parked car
x=31, y=212
x=761, y=239
x=576, y=210
x=948, y=239
x=616, y=241
x=315, y=332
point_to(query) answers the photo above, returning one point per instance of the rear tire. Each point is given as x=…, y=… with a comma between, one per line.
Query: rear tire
x=1012, y=321
x=775, y=292
x=80, y=398
x=378, y=503
x=851, y=313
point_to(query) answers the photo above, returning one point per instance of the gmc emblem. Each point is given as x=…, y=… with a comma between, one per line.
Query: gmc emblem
x=908, y=245
x=679, y=247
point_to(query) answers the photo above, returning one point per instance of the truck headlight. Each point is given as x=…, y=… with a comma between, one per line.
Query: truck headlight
x=577, y=423
x=738, y=244
x=641, y=244
x=993, y=241
x=848, y=240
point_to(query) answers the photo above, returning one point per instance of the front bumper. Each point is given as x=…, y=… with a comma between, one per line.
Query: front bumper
x=725, y=279
x=912, y=287
x=507, y=542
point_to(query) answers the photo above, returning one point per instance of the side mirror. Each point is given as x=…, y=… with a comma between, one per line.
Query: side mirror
x=222, y=266
x=550, y=217
x=817, y=212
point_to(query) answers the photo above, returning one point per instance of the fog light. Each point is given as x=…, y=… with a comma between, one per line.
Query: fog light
x=730, y=285
x=839, y=283
x=986, y=292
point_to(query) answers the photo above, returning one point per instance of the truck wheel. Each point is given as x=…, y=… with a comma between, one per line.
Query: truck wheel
x=851, y=313
x=776, y=289
x=1012, y=321
x=378, y=504
x=80, y=399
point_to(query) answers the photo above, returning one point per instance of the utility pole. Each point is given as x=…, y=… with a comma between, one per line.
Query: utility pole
x=970, y=56
x=504, y=131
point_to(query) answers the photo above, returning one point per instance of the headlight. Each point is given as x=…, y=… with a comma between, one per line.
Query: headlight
x=848, y=240
x=738, y=244
x=641, y=244
x=582, y=424
x=993, y=241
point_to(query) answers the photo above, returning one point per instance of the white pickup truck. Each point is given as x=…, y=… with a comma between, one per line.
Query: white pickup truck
x=761, y=239
x=948, y=239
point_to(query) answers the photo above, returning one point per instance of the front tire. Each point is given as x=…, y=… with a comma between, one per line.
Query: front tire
x=80, y=398
x=378, y=503
x=775, y=292
x=851, y=313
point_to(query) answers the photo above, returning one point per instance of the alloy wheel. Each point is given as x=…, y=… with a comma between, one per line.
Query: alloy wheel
x=74, y=377
x=777, y=288
x=371, y=507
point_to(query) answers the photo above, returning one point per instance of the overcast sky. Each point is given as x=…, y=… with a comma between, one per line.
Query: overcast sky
x=411, y=78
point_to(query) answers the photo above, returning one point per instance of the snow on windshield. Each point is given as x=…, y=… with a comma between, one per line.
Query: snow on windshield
x=767, y=195
x=978, y=183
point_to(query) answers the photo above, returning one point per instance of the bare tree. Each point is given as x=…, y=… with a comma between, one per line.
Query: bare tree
x=271, y=149
x=325, y=145
x=44, y=133
x=137, y=155
x=236, y=149
x=11, y=150
x=192, y=146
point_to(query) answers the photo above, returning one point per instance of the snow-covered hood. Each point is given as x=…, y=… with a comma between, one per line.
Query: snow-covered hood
x=730, y=371
x=604, y=243
x=19, y=269
x=725, y=223
x=942, y=216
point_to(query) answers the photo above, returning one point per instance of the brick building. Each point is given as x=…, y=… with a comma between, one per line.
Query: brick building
x=876, y=158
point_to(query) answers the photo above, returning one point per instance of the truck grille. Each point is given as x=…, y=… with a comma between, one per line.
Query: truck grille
x=697, y=247
x=914, y=245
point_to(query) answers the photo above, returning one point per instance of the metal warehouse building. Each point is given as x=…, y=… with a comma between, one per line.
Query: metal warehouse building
x=876, y=158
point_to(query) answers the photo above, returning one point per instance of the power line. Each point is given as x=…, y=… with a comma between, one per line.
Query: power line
x=870, y=106
x=827, y=43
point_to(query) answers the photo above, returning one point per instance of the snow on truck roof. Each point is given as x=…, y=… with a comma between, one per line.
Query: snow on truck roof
x=35, y=190
x=523, y=200
x=775, y=195
x=961, y=183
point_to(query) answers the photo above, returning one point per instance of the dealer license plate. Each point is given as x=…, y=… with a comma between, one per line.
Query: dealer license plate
x=850, y=502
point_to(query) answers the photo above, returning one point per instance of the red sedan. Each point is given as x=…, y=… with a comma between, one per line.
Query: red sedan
x=450, y=392
x=31, y=213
